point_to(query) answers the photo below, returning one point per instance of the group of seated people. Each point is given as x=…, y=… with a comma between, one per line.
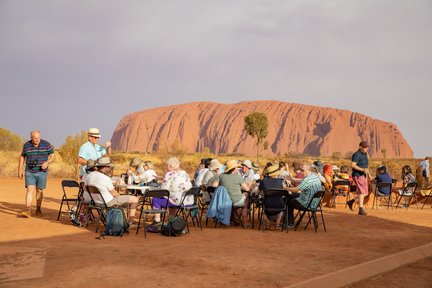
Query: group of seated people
x=240, y=179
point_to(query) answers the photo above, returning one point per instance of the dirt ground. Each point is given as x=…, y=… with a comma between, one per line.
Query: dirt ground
x=41, y=252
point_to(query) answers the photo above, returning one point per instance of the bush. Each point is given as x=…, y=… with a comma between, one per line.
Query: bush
x=10, y=141
x=69, y=150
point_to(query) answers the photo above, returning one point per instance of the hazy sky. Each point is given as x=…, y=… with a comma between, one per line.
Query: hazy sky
x=66, y=66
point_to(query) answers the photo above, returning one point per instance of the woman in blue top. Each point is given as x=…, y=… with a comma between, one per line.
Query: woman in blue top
x=383, y=177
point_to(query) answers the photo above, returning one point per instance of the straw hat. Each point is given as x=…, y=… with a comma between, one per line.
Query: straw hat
x=90, y=164
x=272, y=171
x=231, y=164
x=247, y=163
x=135, y=162
x=215, y=164
x=104, y=162
x=335, y=167
x=93, y=132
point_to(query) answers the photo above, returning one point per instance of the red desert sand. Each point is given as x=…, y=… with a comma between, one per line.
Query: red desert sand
x=41, y=252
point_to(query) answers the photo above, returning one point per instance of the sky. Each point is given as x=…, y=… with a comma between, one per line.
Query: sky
x=66, y=66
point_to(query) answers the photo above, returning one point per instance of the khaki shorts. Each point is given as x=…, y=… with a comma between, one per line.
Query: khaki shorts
x=122, y=200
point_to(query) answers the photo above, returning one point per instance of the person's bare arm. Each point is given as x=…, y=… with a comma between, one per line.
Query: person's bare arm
x=51, y=158
x=294, y=189
x=356, y=167
x=245, y=186
x=108, y=148
x=82, y=161
x=21, y=167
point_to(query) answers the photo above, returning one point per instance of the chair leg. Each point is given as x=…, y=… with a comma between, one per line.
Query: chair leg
x=139, y=219
x=427, y=198
x=61, y=205
x=322, y=217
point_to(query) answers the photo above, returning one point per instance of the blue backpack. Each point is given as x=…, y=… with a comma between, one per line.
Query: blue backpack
x=116, y=223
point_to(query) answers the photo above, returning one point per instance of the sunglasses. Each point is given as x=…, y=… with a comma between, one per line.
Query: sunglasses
x=95, y=137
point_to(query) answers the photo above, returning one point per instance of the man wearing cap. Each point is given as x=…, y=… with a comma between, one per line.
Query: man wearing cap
x=246, y=171
x=37, y=154
x=91, y=150
x=103, y=183
x=360, y=174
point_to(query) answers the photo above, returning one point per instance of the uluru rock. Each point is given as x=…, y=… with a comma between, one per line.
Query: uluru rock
x=294, y=128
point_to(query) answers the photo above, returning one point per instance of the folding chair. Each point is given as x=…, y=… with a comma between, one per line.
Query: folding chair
x=427, y=198
x=312, y=212
x=97, y=203
x=68, y=186
x=338, y=190
x=274, y=194
x=378, y=195
x=146, y=201
x=406, y=194
x=187, y=210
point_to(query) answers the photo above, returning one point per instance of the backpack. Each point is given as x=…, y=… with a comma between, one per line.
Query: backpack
x=116, y=223
x=174, y=227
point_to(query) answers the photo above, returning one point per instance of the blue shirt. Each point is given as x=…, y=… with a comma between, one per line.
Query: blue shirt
x=361, y=160
x=89, y=151
x=309, y=186
x=384, y=178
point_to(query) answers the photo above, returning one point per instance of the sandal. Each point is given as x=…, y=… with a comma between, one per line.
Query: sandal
x=278, y=227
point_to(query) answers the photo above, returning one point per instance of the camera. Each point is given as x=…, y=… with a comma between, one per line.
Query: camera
x=33, y=163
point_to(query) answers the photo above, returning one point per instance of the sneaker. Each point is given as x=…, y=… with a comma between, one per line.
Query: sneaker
x=362, y=211
x=350, y=204
x=25, y=214
x=76, y=222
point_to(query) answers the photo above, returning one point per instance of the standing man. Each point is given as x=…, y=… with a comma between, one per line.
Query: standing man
x=37, y=155
x=91, y=150
x=425, y=171
x=360, y=174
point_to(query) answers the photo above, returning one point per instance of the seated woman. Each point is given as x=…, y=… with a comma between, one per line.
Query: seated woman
x=149, y=176
x=383, y=177
x=177, y=182
x=234, y=184
x=343, y=174
x=271, y=181
x=328, y=175
x=407, y=177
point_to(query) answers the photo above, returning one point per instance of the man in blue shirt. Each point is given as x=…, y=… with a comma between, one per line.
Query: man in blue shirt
x=303, y=193
x=360, y=174
x=425, y=171
x=92, y=150
x=37, y=154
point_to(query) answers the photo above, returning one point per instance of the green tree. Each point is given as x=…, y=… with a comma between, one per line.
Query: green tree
x=256, y=125
x=10, y=141
x=69, y=150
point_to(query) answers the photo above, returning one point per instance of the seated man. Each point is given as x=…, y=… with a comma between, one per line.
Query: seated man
x=103, y=183
x=303, y=193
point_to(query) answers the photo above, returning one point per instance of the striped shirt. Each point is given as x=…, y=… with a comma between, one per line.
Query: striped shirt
x=308, y=187
x=36, y=155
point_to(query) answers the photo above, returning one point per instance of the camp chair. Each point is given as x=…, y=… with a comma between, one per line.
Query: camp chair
x=379, y=195
x=191, y=210
x=427, y=198
x=220, y=207
x=311, y=212
x=97, y=203
x=338, y=190
x=407, y=195
x=274, y=194
x=146, y=201
x=70, y=187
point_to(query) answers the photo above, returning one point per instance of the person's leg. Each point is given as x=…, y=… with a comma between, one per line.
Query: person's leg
x=39, y=198
x=133, y=203
x=41, y=179
x=158, y=203
x=244, y=211
x=29, y=197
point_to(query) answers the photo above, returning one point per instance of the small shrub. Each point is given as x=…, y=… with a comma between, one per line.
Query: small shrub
x=10, y=141
x=69, y=150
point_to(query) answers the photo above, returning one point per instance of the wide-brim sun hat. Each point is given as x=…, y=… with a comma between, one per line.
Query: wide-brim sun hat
x=231, y=164
x=135, y=162
x=255, y=166
x=90, y=164
x=215, y=164
x=272, y=171
x=104, y=162
x=247, y=163
x=335, y=167
x=94, y=132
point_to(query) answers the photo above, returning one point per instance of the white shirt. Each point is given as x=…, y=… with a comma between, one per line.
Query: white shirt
x=199, y=178
x=104, y=185
x=425, y=166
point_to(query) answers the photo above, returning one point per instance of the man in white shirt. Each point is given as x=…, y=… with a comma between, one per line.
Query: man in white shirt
x=103, y=183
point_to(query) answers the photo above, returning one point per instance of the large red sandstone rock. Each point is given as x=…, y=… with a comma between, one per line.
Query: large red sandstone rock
x=293, y=128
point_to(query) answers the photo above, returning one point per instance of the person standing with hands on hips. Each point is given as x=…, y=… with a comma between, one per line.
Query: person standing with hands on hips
x=360, y=175
x=91, y=150
x=37, y=154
